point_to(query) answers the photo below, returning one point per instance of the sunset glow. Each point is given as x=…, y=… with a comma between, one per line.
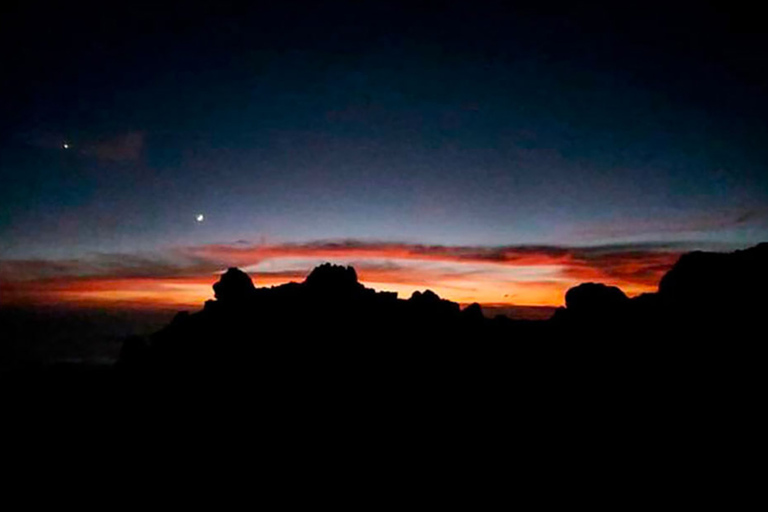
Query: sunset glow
x=498, y=154
x=531, y=276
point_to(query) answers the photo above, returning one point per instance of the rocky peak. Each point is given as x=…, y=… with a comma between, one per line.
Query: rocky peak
x=333, y=277
x=588, y=297
x=233, y=286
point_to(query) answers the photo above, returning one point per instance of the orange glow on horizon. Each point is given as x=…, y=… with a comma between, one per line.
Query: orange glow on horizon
x=527, y=276
x=192, y=292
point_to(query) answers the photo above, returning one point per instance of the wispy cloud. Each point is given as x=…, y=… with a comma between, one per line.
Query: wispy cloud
x=679, y=224
x=638, y=263
x=126, y=147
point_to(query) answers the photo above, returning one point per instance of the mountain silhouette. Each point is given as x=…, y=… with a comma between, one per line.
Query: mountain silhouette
x=331, y=318
x=728, y=285
x=705, y=298
x=334, y=279
x=235, y=286
x=326, y=358
x=591, y=298
x=332, y=325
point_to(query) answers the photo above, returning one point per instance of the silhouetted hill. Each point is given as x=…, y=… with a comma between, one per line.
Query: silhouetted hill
x=327, y=358
x=331, y=324
x=704, y=299
x=333, y=279
x=594, y=298
x=235, y=286
x=332, y=318
x=327, y=318
x=732, y=284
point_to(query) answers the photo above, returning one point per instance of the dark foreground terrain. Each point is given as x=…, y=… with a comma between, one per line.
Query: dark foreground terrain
x=656, y=393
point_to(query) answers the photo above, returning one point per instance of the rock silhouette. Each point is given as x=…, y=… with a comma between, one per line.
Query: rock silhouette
x=724, y=284
x=330, y=311
x=234, y=286
x=593, y=298
x=333, y=279
x=704, y=299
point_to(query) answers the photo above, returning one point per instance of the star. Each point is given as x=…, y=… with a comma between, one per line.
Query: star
x=199, y=217
x=65, y=145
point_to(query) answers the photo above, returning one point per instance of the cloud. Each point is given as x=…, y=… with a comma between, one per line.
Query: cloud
x=121, y=147
x=173, y=263
x=641, y=263
x=707, y=222
x=126, y=147
x=525, y=274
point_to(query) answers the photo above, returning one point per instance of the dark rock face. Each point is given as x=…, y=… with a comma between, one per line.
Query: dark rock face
x=592, y=298
x=234, y=286
x=430, y=301
x=594, y=310
x=715, y=282
x=425, y=297
x=473, y=313
x=334, y=278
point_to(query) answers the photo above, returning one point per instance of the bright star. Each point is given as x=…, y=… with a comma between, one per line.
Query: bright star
x=199, y=217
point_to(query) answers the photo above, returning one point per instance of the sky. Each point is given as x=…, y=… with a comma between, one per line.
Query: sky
x=492, y=154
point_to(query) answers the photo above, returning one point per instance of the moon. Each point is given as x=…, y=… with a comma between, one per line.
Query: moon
x=199, y=217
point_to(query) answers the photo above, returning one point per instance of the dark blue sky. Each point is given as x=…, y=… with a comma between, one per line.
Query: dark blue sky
x=439, y=123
